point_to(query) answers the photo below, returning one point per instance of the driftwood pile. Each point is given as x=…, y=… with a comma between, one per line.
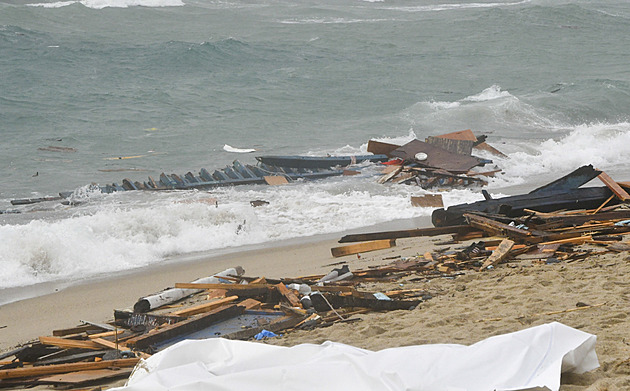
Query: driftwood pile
x=227, y=304
x=549, y=224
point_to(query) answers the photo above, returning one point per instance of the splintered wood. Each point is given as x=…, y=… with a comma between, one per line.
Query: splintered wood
x=362, y=247
x=428, y=201
x=274, y=180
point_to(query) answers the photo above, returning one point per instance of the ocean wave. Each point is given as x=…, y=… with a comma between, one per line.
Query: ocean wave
x=125, y=231
x=490, y=93
x=603, y=145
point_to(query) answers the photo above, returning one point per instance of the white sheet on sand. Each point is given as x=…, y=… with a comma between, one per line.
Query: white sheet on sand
x=530, y=358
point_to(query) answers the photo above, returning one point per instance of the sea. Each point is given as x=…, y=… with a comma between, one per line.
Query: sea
x=95, y=91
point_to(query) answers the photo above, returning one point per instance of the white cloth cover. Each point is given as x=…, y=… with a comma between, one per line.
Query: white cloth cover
x=530, y=358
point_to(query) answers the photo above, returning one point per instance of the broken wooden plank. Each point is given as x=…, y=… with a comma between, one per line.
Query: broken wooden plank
x=338, y=301
x=185, y=327
x=467, y=135
x=428, y=201
x=74, y=330
x=134, y=319
x=498, y=255
x=250, y=304
x=108, y=344
x=437, y=157
x=497, y=228
x=460, y=147
x=69, y=343
x=390, y=175
x=91, y=376
x=484, y=146
x=614, y=187
x=570, y=181
x=205, y=307
x=362, y=247
x=380, y=148
x=289, y=295
x=66, y=368
x=409, y=233
x=228, y=287
x=274, y=180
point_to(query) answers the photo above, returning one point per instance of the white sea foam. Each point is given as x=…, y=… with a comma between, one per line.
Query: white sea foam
x=329, y=20
x=228, y=148
x=126, y=230
x=454, y=6
x=57, y=4
x=490, y=93
x=603, y=145
x=100, y=4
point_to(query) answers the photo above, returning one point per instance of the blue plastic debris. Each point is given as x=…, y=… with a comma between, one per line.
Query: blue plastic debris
x=265, y=334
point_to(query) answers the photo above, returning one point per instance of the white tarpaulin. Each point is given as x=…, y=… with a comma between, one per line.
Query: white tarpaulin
x=534, y=357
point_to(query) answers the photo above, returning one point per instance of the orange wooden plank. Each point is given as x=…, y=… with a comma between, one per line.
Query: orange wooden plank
x=460, y=135
x=614, y=187
x=275, y=180
x=65, y=368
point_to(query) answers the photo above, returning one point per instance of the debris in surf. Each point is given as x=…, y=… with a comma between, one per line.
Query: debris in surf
x=228, y=148
x=441, y=162
x=53, y=148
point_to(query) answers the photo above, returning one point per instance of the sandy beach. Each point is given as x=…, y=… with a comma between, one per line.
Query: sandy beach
x=463, y=310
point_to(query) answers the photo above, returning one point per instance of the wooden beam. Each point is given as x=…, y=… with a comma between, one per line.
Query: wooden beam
x=274, y=180
x=498, y=255
x=496, y=228
x=410, y=233
x=75, y=378
x=428, y=201
x=205, y=307
x=614, y=187
x=362, y=247
x=380, y=148
x=69, y=343
x=227, y=287
x=108, y=344
x=74, y=330
x=65, y=368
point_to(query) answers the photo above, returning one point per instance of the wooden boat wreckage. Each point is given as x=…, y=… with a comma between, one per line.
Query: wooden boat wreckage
x=236, y=174
x=444, y=161
x=545, y=225
x=439, y=162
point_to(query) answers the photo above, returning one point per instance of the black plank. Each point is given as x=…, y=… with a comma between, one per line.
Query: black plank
x=410, y=233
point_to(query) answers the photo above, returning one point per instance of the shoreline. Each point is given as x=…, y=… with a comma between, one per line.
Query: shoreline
x=65, y=303
x=15, y=294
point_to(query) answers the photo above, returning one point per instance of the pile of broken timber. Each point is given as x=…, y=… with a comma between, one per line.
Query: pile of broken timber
x=444, y=161
x=515, y=227
x=227, y=304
